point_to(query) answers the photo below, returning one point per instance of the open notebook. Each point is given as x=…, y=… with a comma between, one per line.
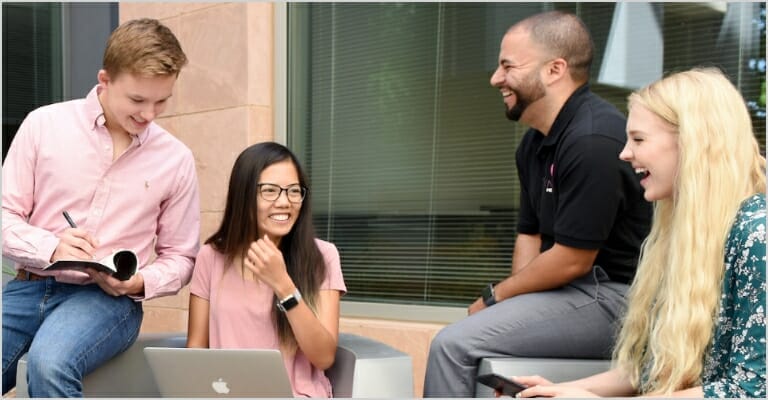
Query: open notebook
x=183, y=372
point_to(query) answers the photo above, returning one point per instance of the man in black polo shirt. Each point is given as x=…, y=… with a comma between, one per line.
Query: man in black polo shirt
x=582, y=215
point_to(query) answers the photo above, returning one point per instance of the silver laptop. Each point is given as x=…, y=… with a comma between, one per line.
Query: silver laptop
x=183, y=372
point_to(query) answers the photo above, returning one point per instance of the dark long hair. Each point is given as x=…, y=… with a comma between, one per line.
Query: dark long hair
x=239, y=227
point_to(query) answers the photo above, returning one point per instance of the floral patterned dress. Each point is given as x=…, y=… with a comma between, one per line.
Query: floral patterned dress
x=735, y=365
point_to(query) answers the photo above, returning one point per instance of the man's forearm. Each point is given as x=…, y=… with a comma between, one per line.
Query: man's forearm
x=551, y=269
x=526, y=249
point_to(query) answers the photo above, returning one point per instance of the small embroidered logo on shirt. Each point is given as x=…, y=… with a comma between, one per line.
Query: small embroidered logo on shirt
x=146, y=184
x=548, y=186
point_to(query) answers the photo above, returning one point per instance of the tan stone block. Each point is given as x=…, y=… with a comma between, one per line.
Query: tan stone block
x=260, y=54
x=161, y=10
x=260, y=125
x=159, y=319
x=216, y=42
x=216, y=139
x=197, y=7
x=170, y=124
x=209, y=223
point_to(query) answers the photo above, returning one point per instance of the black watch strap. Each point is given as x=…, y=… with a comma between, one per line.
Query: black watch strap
x=489, y=295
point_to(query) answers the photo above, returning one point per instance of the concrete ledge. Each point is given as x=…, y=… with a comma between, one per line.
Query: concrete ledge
x=363, y=368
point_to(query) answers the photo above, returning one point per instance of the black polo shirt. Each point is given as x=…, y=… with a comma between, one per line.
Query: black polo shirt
x=575, y=191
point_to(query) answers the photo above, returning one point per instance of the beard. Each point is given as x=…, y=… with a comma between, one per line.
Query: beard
x=514, y=113
x=529, y=91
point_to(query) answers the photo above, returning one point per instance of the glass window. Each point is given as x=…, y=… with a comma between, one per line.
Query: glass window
x=410, y=155
x=51, y=53
x=31, y=61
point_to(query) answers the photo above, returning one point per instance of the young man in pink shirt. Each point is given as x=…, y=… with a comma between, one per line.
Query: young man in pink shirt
x=127, y=183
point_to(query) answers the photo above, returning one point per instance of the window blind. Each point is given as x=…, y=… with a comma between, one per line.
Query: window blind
x=410, y=155
x=31, y=61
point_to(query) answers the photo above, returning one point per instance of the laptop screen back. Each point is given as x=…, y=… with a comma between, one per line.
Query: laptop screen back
x=184, y=372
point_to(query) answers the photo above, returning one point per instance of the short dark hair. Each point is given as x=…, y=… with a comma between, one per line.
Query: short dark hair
x=564, y=35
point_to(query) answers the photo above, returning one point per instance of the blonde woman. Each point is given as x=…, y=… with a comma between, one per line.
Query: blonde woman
x=695, y=326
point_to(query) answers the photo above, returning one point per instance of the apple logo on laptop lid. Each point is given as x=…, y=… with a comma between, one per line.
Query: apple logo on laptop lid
x=220, y=386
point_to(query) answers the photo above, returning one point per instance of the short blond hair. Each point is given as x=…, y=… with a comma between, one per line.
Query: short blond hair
x=145, y=47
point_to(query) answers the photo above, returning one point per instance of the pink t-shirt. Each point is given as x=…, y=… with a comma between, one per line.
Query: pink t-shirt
x=240, y=313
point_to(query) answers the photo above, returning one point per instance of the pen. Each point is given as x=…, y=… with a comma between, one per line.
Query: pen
x=69, y=219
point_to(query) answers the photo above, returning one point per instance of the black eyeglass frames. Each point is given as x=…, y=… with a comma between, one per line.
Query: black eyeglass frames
x=272, y=192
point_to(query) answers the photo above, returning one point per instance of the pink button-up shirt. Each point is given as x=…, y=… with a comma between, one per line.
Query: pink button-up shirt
x=61, y=159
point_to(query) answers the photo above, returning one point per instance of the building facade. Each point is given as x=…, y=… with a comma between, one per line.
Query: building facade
x=390, y=109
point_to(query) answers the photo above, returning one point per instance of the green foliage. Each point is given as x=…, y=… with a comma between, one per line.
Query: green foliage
x=8, y=270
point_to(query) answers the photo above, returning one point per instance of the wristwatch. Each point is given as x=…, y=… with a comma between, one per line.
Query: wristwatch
x=290, y=301
x=489, y=296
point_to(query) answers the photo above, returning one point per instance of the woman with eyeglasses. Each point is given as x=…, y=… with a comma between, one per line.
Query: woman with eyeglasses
x=263, y=280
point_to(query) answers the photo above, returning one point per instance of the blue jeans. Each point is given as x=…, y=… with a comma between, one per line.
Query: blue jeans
x=68, y=331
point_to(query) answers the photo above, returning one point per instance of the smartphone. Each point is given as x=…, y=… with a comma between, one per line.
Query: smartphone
x=502, y=384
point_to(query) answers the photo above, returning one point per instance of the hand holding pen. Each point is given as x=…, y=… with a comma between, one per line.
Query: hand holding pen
x=108, y=284
x=74, y=243
x=69, y=219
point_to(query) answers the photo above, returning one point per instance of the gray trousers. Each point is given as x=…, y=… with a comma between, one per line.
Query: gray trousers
x=579, y=320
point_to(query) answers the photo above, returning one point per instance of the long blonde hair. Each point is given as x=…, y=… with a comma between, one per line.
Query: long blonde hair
x=674, y=299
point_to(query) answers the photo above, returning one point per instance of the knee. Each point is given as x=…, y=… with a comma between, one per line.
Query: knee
x=51, y=375
x=49, y=366
x=446, y=341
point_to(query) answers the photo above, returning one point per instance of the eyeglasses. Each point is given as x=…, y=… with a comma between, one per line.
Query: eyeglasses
x=272, y=192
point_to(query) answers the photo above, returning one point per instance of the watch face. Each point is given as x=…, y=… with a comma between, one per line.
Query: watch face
x=288, y=304
x=290, y=301
x=489, y=298
x=487, y=292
